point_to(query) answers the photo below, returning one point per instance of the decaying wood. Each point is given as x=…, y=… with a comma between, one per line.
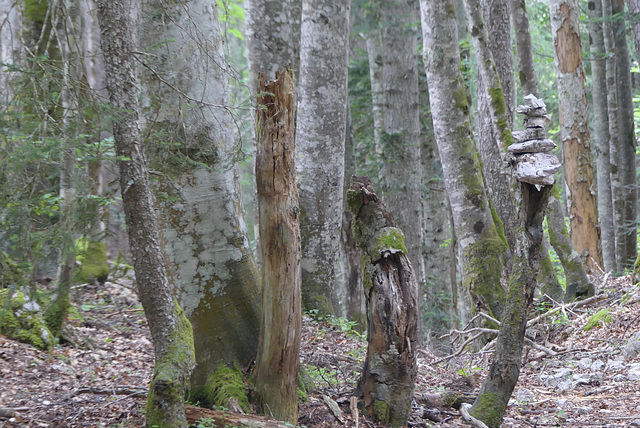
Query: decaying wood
x=464, y=411
x=391, y=290
x=221, y=419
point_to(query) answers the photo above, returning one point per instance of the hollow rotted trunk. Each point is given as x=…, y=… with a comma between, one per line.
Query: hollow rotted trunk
x=276, y=372
x=391, y=291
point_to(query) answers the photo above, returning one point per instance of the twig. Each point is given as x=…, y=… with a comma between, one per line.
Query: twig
x=544, y=349
x=464, y=411
x=353, y=401
x=118, y=390
x=461, y=350
x=537, y=319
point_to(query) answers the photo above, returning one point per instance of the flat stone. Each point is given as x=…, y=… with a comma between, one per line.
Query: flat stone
x=585, y=363
x=536, y=168
x=614, y=365
x=529, y=134
x=597, y=365
x=632, y=347
x=537, y=121
x=532, y=146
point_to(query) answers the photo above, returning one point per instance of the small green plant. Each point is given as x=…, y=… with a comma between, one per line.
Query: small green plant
x=206, y=423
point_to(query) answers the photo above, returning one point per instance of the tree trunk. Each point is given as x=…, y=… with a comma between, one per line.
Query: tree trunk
x=320, y=134
x=390, y=369
x=374, y=53
x=170, y=330
x=481, y=248
x=634, y=11
x=10, y=46
x=202, y=226
x=524, y=50
x=576, y=140
x=276, y=371
x=601, y=135
x=627, y=139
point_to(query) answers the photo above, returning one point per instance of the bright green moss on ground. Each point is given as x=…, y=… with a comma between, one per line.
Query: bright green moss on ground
x=20, y=320
x=594, y=321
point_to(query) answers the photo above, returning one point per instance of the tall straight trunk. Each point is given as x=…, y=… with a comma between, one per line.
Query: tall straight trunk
x=634, y=12
x=481, y=248
x=627, y=138
x=400, y=174
x=558, y=235
x=192, y=139
x=374, y=54
x=276, y=371
x=576, y=139
x=390, y=369
x=10, y=43
x=320, y=135
x=170, y=330
x=601, y=135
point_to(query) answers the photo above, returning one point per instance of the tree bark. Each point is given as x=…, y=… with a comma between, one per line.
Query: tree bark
x=320, y=134
x=576, y=140
x=627, y=139
x=391, y=289
x=524, y=50
x=601, y=135
x=170, y=330
x=481, y=248
x=276, y=371
x=192, y=133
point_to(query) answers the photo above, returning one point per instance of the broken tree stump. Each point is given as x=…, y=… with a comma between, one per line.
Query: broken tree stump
x=391, y=292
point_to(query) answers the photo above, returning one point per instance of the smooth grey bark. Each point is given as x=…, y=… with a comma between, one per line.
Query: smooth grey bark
x=481, y=248
x=193, y=144
x=320, y=135
x=601, y=135
x=374, y=54
x=634, y=13
x=10, y=46
x=170, y=330
x=399, y=150
x=627, y=140
x=574, y=127
x=524, y=49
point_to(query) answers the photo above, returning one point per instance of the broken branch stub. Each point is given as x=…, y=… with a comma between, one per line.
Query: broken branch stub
x=390, y=369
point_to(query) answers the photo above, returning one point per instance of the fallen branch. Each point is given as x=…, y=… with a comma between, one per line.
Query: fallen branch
x=11, y=412
x=222, y=419
x=118, y=390
x=579, y=303
x=464, y=411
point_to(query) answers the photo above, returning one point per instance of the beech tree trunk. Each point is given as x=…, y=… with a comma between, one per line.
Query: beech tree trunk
x=193, y=144
x=576, y=139
x=481, y=247
x=390, y=369
x=170, y=330
x=627, y=139
x=601, y=135
x=276, y=371
x=320, y=135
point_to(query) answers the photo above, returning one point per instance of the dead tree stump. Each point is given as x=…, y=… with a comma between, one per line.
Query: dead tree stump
x=391, y=292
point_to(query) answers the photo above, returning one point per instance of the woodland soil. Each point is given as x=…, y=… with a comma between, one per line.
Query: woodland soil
x=98, y=378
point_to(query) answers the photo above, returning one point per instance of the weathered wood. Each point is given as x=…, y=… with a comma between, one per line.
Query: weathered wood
x=532, y=146
x=537, y=168
x=276, y=369
x=223, y=419
x=391, y=290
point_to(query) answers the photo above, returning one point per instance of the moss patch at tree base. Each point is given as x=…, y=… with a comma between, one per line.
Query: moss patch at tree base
x=93, y=256
x=224, y=384
x=20, y=320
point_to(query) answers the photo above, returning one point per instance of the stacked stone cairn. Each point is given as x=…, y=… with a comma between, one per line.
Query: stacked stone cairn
x=531, y=153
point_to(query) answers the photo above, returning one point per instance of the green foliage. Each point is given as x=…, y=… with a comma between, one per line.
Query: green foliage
x=93, y=256
x=20, y=319
x=601, y=316
x=232, y=15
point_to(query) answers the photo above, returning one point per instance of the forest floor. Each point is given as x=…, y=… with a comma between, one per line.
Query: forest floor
x=101, y=380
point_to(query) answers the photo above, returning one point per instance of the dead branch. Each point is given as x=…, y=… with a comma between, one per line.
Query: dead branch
x=574, y=305
x=464, y=411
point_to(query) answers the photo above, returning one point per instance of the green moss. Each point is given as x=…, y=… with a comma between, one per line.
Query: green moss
x=20, y=320
x=222, y=385
x=381, y=411
x=171, y=375
x=93, y=256
x=594, y=321
x=35, y=10
x=354, y=201
x=10, y=272
x=56, y=313
x=460, y=98
x=485, y=260
x=489, y=408
x=499, y=225
x=390, y=239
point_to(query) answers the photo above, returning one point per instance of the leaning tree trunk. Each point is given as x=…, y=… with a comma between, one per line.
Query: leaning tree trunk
x=601, y=135
x=627, y=139
x=276, y=372
x=574, y=127
x=170, y=330
x=390, y=369
x=482, y=250
x=320, y=134
x=192, y=139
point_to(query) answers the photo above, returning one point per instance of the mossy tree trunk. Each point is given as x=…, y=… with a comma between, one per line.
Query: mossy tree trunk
x=391, y=291
x=193, y=146
x=170, y=330
x=276, y=371
x=481, y=247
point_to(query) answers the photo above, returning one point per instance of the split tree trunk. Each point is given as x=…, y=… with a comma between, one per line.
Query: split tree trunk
x=276, y=371
x=170, y=330
x=391, y=290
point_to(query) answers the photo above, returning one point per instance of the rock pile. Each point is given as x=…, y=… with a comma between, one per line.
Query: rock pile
x=533, y=163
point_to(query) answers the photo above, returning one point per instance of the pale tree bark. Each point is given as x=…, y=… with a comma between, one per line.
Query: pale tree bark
x=276, y=372
x=574, y=127
x=634, y=12
x=399, y=150
x=390, y=369
x=481, y=248
x=10, y=47
x=559, y=238
x=601, y=135
x=627, y=139
x=320, y=135
x=192, y=139
x=374, y=54
x=170, y=330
